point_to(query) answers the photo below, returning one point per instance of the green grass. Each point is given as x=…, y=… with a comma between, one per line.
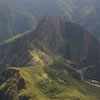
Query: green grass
x=49, y=83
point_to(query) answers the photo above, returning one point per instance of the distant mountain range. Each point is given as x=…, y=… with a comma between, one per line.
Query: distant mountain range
x=20, y=16
x=13, y=21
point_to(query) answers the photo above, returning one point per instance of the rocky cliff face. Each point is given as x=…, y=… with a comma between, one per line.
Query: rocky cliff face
x=42, y=62
x=14, y=83
x=64, y=38
x=71, y=39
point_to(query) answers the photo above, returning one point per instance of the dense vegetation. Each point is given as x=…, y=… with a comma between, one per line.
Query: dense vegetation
x=45, y=63
x=54, y=82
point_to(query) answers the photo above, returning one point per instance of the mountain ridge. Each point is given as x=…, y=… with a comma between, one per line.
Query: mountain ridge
x=41, y=64
x=60, y=36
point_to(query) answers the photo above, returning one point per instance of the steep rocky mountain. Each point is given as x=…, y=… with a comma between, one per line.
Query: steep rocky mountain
x=57, y=60
x=66, y=39
x=19, y=16
x=84, y=12
x=39, y=64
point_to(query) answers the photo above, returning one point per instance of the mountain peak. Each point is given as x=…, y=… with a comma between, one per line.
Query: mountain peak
x=49, y=17
x=47, y=20
x=64, y=38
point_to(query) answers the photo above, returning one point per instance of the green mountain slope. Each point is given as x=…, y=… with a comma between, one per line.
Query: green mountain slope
x=52, y=82
x=39, y=64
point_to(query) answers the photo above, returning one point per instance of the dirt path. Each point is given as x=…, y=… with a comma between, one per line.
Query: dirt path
x=94, y=84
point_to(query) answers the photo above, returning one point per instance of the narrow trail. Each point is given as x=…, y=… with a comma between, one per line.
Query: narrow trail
x=93, y=84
